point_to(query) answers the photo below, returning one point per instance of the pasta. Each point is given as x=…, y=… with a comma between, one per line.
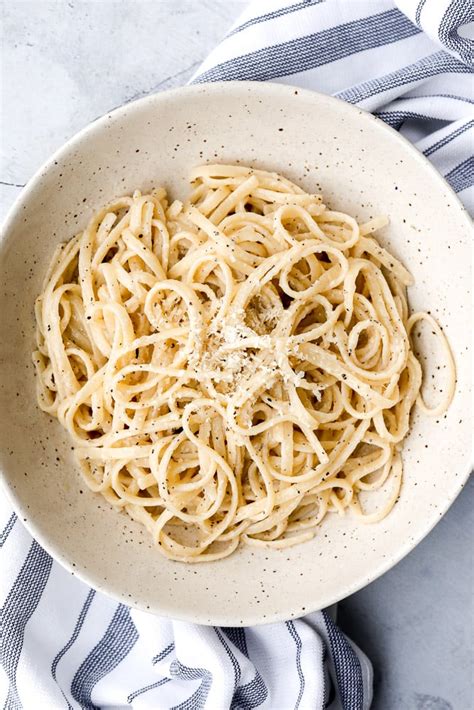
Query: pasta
x=233, y=368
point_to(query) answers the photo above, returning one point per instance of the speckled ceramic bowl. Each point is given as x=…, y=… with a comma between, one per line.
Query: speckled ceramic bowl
x=362, y=167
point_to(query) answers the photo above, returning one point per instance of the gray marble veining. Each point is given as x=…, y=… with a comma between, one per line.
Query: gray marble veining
x=64, y=64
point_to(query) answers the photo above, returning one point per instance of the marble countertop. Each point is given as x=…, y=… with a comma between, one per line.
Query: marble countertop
x=66, y=63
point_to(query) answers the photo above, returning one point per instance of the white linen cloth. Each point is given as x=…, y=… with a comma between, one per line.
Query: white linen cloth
x=65, y=645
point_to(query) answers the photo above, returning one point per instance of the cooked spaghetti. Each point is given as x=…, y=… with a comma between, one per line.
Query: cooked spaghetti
x=232, y=368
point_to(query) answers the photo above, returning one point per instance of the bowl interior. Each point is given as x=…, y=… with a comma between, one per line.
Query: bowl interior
x=362, y=168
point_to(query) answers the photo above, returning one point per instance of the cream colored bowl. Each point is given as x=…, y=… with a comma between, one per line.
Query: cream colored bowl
x=363, y=168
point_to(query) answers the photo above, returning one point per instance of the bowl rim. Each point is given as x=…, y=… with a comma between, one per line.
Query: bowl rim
x=220, y=88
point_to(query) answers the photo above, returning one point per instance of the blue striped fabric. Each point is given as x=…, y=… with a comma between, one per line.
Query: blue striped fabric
x=160, y=656
x=235, y=664
x=116, y=643
x=152, y=686
x=407, y=63
x=198, y=699
x=73, y=638
x=19, y=606
x=251, y=695
x=462, y=176
x=467, y=126
x=347, y=666
x=409, y=76
x=286, y=10
x=315, y=49
x=254, y=693
x=299, y=647
x=7, y=529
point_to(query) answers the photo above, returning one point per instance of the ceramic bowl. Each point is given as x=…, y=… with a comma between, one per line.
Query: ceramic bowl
x=362, y=167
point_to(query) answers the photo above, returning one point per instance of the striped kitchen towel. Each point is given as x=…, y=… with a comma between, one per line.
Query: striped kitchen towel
x=67, y=646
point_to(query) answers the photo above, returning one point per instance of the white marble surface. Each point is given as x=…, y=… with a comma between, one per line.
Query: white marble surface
x=64, y=64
